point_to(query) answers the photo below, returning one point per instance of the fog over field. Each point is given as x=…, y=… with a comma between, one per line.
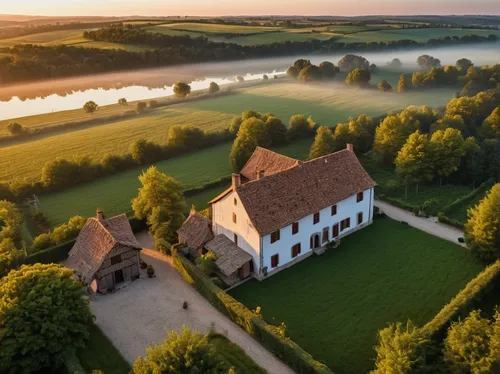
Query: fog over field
x=71, y=93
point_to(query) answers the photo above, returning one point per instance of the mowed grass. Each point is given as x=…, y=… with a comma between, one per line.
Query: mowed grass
x=334, y=304
x=329, y=104
x=114, y=193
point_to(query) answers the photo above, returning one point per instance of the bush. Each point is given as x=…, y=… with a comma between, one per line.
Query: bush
x=461, y=240
x=15, y=128
x=150, y=271
x=430, y=207
x=51, y=255
x=140, y=106
x=54, y=323
x=284, y=348
x=153, y=104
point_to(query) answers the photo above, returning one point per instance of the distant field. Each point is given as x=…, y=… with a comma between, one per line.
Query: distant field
x=328, y=104
x=334, y=304
x=215, y=28
x=113, y=194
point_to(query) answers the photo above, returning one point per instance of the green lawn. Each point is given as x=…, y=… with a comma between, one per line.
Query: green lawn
x=113, y=194
x=334, y=304
x=234, y=357
x=102, y=355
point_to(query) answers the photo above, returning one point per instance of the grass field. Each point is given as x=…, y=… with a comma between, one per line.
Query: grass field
x=113, y=194
x=334, y=304
x=100, y=354
x=327, y=103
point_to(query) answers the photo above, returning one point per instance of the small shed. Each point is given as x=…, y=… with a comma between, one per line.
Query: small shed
x=195, y=231
x=233, y=263
x=106, y=253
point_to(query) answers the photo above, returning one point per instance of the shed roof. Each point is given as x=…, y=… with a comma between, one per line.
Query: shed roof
x=278, y=200
x=230, y=257
x=196, y=230
x=96, y=240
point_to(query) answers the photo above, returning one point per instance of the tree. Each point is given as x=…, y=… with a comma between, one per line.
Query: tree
x=253, y=132
x=384, y=86
x=265, y=77
x=358, y=77
x=277, y=130
x=447, y=149
x=473, y=163
x=491, y=125
x=400, y=350
x=463, y=65
x=185, y=137
x=240, y=79
x=395, y=64
x=301, y=64
x=454, y=122
x=467, y=346
x=15, y=128
x=427, y=62
x=143, y=151
x=298, y=127
x=323, y=143
x=182, y=89
x=328, y=70
x=153, y=104
x=235, y=125
x=309, y=74
x=351, y=62
x=206, y=263
x=123, y=101
x=413, y=163
x=213, y=88
x=48, y=321
x=187, y=352
x=140, y=107
x=161, y=201
x=292, y=72
x=10, y=256
x=403, y=84
x=90, y=107
x=482, y=230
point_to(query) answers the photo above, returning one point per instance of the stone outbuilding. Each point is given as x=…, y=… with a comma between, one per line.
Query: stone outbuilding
x=106, y=253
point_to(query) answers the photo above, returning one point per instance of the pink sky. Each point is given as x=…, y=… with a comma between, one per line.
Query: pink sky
x=247, y=7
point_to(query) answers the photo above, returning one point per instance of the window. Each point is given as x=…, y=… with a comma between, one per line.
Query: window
x=235, y=239
x=325, y=237
x=235, y=201
x=360, y=218
x=234, y=217
x=316, y=218
x=346, y=223
x=275, y=236
x=295, y=228
x=359, y=198
x=334, y=210
x=116, y=260
x=296, y=250
x=275, y=260
x=335, y=230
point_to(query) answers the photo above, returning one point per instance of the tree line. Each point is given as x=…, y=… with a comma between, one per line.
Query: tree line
x=35, y=62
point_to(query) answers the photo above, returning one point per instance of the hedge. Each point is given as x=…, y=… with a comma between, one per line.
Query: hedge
x=284, y=348
x=449, y=221
x=397, y=202
x=54, y=254
x=464, y=302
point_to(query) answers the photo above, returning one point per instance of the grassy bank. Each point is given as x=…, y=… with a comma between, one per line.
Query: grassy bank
x=334, y=304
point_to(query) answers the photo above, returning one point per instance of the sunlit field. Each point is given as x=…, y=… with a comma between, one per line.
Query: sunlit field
x=334, y=304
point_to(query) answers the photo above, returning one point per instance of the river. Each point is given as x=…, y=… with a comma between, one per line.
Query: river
x=64, y=94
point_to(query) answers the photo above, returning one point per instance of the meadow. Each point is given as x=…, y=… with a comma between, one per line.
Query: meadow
x=334, y=304
x=113, y=194
x=328, y=103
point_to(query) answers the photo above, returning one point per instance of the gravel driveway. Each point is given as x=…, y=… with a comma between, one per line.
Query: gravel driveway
x=137, y=315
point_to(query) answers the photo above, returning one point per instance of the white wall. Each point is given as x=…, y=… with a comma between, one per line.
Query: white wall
x=346, y=208
x=222, y=223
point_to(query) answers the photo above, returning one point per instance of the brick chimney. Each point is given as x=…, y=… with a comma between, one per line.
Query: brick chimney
x=349, y=147
x=236, y=180
x=99, y=215
x=260, y=174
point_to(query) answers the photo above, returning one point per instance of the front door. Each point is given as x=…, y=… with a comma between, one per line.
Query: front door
x=119, y=276
x=316, y=241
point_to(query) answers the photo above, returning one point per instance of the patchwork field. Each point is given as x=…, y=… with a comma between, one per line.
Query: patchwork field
x=334, y=304
x=329, y=104
x=113, y=194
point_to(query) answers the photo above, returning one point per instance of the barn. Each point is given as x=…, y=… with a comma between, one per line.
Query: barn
x=106, y=253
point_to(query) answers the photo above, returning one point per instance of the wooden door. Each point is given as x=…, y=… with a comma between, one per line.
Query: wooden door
x=316, y=241
x=119, y=276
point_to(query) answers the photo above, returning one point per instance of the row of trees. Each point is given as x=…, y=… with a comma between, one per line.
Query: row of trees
x=255, y=129
x=304, y=71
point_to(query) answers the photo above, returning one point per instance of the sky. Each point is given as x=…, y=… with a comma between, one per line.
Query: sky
x=246, y=7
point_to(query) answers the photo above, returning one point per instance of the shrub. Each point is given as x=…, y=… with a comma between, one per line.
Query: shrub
x=430, y=207
x=54, y=323
x=15, y=128
x=140, y=106
x=150, y=271
x=461, y=240
x=265, y=77
x=123, y=101
x=153, y=104
x=10, y=256
x=161, y=245
x=213, y=88
x=60, y=234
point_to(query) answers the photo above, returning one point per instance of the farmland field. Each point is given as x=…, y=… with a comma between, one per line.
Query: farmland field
x=113, y=194
x=333, y=305
x=328, y=104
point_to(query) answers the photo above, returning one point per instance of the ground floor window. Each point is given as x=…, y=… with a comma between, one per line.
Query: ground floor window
x=346, y=223
x=360, y=218
x=296, y=250
x=335, y=230
x=325, y=237
x=275, y=260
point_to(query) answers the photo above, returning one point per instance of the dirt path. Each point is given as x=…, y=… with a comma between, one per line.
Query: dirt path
x=429, y=225
x=137, y=315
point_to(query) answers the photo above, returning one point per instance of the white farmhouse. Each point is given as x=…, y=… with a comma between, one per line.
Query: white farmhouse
x=281, y=210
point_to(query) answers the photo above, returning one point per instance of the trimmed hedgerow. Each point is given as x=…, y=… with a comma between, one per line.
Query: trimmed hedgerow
x=270, y=336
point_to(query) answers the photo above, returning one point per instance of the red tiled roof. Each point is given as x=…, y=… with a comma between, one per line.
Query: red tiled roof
x=196, y=230
x=267, y=161
x=278, y=200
